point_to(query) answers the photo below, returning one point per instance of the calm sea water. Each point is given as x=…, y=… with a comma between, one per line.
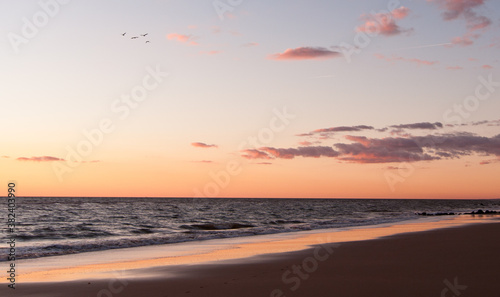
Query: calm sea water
x=57, y=226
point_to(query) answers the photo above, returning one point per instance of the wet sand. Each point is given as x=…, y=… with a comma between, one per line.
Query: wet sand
x=457, y=261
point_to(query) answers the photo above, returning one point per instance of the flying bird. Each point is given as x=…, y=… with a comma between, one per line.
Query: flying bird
x=124, y=34
x=147, y=41
x=144, y=35
x=134, y=37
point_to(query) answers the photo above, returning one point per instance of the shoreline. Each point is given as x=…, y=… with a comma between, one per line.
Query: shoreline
x=418, y=263
x=104, y=264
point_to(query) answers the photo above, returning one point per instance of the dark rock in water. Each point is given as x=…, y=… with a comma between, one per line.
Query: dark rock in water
x=480, y=212
x=436, y=214
x=214, y=226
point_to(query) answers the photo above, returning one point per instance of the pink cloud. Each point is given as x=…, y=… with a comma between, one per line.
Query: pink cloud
x=182, y=38
x=203, y=145
x=305, y=143
x=203, y=161
x=393, y=168
x=487, y=67
x=305, y=53
x=418, y=148
x=411, y=60
x=254, y=154
x=400, y=13
x=359, y=139
x=210, y=52
x=454, y=9
x=486, y=162
x=403, y=148
x=250, y=44
x=216, y=29
x=454, y=68
x=230, y=16
x=495, y=42
x=465, y=40
x=384, y=23
x=343, y=129
x=178, y=37
x=40, y=159
x=464, y=9
x=290, y=153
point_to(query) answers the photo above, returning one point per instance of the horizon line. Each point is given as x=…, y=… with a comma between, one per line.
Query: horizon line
x=190, y=197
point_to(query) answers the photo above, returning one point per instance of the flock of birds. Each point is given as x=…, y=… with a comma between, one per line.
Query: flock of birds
x=135, y=37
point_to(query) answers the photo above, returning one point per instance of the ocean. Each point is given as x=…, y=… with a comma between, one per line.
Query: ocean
x=49, y=226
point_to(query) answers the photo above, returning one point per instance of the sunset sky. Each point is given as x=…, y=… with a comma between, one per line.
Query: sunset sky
x=234, y=98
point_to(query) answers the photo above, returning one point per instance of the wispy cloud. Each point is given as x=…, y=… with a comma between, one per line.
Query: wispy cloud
x=486, y=162
x=254, y=154
x=423, y=125
x=495, y=43
x=302, y=151
x=306, y=53
x=305, y=143
x=40, y=159
x=250, y=44
x=393, y=168
x=424, y=46
x=338, y=129
x=182, y=38
x=210, y=53
x=464, y=9
x=203, y=161
x=290, y=153
x=491, y=123
x=203, y=145
x=395, y=58
x=384, y=23
x=343, y=129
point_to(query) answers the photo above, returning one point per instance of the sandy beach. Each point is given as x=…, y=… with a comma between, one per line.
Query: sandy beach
x=457, y=261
